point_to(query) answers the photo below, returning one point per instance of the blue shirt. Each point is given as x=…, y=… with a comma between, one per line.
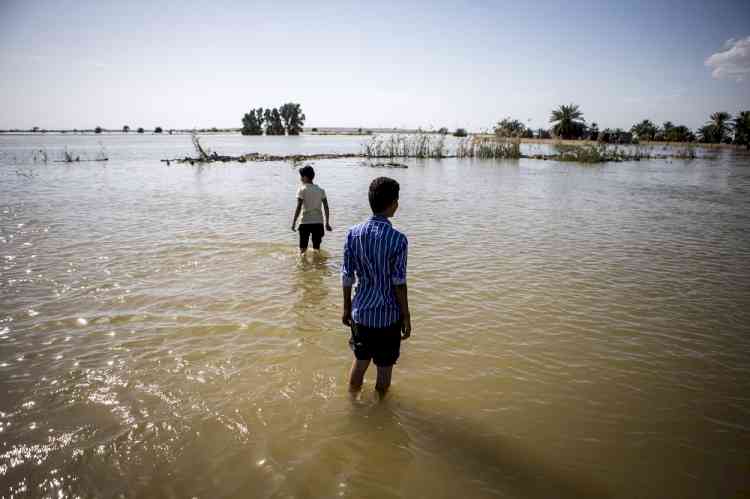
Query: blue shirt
x=374, y=257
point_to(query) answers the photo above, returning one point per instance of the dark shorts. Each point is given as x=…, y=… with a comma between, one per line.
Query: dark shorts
x=381, y=344
x=307, y=230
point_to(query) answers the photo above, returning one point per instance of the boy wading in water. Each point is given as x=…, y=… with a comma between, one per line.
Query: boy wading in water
x=310, y=197
x=375, y=257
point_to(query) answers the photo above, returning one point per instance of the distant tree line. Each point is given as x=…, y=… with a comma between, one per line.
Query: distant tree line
x=285, y=120
x=568, y=123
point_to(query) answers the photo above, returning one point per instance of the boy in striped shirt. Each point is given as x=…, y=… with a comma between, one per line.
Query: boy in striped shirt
x=375, y=258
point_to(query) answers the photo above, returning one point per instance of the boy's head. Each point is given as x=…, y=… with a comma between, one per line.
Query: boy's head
x=307, y=174
x=384, y=196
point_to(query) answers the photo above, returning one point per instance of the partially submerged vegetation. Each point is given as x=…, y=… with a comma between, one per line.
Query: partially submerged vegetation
x=419, y=145
x=205, y=155
x=42, y=156
x=430, y=146
x=489, y=148
x=603, y=153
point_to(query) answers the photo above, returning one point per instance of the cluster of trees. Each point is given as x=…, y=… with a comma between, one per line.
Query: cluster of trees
x=126, y=129
x=288, y=119
x=719, y=129
x=508, y=127
x=568, y=123
x=668, y=132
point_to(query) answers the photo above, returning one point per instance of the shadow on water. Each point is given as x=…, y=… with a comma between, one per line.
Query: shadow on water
x=310, y=290
x=465, y=459
x=308, y=280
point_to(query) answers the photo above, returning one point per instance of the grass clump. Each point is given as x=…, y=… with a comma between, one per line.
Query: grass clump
x=489, y=148
x=598, y=153
x=419, y=145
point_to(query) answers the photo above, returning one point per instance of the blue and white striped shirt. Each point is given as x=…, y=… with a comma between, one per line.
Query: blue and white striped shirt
x=375, y=257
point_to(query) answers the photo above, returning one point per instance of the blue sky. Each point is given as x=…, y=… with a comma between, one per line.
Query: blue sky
x=79, y=64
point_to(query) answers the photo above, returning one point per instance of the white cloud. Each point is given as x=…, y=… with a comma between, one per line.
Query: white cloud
x=733, y=61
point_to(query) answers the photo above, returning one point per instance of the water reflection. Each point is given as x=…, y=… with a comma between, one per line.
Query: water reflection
x=309, y=286
x=570, y=321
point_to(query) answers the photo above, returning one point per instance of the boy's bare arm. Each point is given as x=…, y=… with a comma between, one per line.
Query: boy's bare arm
x=403, y=302
x=346, y=316
x=327, y=213
x=296, y=214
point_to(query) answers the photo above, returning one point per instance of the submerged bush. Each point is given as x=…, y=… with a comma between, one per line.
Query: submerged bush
x=488, y=148
x=420, y=145
x=598, y=153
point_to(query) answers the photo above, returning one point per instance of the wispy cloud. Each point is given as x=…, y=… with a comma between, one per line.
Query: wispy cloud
x=733, y=61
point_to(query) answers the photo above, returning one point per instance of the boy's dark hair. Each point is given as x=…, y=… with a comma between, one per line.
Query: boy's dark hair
x=383, y=192
x=307, y=171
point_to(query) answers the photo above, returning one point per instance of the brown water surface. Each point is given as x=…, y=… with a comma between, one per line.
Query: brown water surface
x=579, y=331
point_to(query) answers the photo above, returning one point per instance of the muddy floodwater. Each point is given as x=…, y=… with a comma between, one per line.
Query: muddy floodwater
x=578, y=331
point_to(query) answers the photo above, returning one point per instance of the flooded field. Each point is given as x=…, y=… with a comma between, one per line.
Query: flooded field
x=578, y=331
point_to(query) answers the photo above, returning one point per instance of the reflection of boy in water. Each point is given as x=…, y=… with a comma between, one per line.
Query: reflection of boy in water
x=310, y=197
x=375, y=257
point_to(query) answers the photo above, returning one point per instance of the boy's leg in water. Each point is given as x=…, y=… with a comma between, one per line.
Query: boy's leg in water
x=317, y=236
x=304, y=239
x=384, y=379
x=357, y=374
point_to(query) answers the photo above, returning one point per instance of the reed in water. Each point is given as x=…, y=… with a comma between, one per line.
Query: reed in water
x=419, y=145
x=489, y=148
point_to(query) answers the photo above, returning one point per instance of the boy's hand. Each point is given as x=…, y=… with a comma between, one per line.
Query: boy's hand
x=328, y=227
x=406, y=328
x=294, y=229
x=346, y=317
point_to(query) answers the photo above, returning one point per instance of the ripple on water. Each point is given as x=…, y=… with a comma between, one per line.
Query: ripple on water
x=588, y=314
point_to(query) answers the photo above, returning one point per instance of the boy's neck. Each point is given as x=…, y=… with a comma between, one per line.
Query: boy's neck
x=382, y=215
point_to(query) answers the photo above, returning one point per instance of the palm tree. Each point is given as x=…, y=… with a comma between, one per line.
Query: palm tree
x=741, y=126
x=720, y=125
x=706, y=134
x=645, y=130
x=568, y=122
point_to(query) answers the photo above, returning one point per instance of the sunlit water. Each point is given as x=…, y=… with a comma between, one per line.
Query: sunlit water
x=579, y=331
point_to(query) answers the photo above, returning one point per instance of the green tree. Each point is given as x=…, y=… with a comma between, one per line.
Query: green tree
x=460, y=132
x=592, y=132
x=35, y=129
x=268, y=120
x=140, y=130
x=541, y=133
x=158, y=130
x=741, y=126
x=672, y=133
x=616, y=136
x=294, y=118
x=645, y=130
x=706, y=134
x=568, y=122
x=98, y=129
x=252, y=122
x=125, y=129
x=510, y=128
x=274, y=126
x=719, y=127
x=443, y=131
